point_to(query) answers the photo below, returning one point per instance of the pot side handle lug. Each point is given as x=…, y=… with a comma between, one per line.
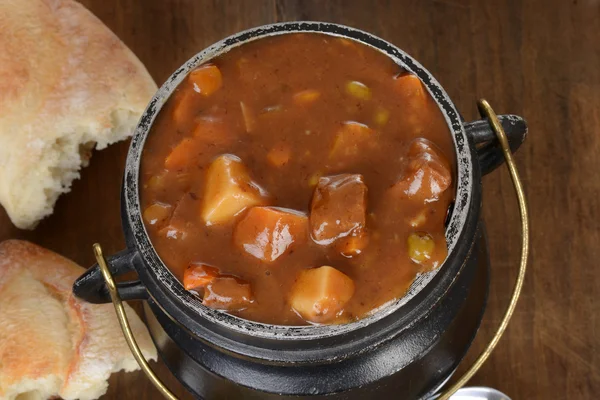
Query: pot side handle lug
x=91, y=287
x=489, y=151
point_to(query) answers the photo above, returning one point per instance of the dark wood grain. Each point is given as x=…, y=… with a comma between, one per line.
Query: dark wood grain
x=538, y=58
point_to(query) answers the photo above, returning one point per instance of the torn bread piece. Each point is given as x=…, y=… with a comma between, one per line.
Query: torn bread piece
x=52, y=343
x=67, y=85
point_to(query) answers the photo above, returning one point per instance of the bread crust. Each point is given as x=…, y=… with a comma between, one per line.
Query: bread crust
x=51, y=342
x=67, y=84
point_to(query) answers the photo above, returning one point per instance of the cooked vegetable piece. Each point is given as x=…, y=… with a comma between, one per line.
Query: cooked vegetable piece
x=198, y=275
x=426, y=251
x=248, y=116
x=351, y=139
x=229, y=190
x=206, y=79
x=182, y=155
x=267, y=233
x=320, y=294
x=306, y=97
x=411, y=89
x=338, y=208
x=358, y=90
x=352, y=246
x=420, y=247
x=279, y=155
x=418, y=112
x=427, y=175
x=227, y=293
x=382, y=116
x=186, y=104
x=314, y=107
x=157, y=213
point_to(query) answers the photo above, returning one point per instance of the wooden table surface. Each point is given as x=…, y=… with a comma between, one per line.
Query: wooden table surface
x=539, y=59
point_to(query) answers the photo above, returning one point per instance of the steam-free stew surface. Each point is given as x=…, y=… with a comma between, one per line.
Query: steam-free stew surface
x=298, y=179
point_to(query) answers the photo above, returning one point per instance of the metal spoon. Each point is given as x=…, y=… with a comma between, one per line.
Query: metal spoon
x=477, y=393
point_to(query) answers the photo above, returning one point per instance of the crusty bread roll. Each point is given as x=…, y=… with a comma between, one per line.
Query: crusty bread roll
x=52, y=343
x=67, y=83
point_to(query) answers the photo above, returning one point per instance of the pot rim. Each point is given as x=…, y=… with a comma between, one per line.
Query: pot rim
x=159, y=271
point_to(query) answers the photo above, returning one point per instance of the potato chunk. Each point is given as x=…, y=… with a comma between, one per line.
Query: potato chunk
x=229, y=190
x=427, y=175
x=350, y=141
x=338, y=208
x=268, y=233
x=320, y=294
x=197, y=276
x=227, y=293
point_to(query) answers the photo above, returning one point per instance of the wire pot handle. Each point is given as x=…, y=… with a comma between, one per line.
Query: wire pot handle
x=124, y=322
x=486, y=111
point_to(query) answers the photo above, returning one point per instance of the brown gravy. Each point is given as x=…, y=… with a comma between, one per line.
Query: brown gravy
x=299, y=116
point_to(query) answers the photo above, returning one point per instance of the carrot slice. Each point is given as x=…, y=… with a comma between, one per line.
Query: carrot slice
x=268, y=233
x=198, y=275
x=206, y=79
x=185, y=106
x=279, y=155
x=411, y=89
x=181, y=156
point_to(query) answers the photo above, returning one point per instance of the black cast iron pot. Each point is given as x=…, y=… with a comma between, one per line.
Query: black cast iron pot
x=404, y=351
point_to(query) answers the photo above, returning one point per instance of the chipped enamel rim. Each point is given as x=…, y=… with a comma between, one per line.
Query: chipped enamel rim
x=171, y=284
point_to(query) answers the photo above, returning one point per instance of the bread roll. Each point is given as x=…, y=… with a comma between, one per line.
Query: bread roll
x=52, y=343
x=67, y=84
